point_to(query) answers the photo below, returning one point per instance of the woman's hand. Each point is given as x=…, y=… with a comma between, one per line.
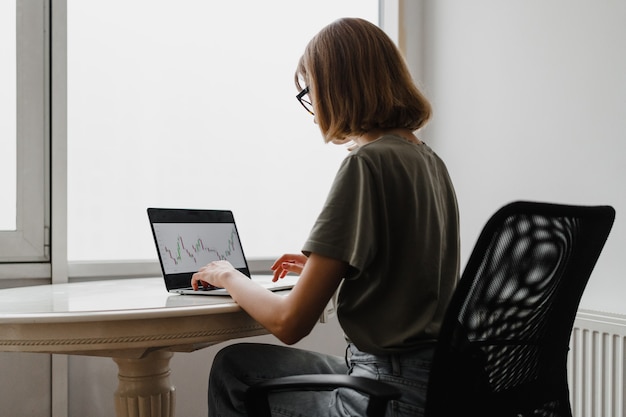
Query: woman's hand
x=289, y=317
x=213, y=274
x=289, y=262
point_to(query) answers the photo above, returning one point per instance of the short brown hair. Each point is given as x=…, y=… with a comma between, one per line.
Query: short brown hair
x=359, y=81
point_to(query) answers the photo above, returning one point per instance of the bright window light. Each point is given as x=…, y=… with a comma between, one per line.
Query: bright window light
x=191, y=104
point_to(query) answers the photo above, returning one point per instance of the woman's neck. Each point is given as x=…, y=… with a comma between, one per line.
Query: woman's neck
x=372, y=135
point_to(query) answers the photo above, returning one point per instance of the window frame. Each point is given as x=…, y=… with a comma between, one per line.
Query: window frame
x=25, y=252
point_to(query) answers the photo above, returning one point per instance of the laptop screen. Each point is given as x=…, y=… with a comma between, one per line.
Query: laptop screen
x=186, y=247
x=187, y=240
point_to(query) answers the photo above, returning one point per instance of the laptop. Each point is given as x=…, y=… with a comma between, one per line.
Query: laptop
x=186, y=240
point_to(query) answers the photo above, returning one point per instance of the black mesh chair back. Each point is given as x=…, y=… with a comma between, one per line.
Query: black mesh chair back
x=503, y=345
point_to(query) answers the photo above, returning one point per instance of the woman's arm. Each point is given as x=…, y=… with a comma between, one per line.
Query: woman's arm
x=290, y=317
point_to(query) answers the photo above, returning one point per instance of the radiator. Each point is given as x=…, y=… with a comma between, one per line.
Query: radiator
x=596, y=365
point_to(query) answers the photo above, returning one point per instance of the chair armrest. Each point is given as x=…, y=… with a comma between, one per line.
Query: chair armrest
x=379, y=392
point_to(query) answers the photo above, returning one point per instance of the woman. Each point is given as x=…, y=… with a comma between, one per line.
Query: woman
x=388, y=233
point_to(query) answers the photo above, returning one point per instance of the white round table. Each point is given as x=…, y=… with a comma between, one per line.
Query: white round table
x=134, y=321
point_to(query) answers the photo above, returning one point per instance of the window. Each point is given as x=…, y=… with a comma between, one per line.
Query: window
x=188, y=104
x=24, y=213
x=192, y=104
x=8, y=110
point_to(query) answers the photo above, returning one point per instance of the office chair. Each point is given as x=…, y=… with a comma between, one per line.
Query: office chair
x=502, y=349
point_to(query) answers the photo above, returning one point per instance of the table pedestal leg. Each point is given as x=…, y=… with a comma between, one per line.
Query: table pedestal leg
x=144, y=388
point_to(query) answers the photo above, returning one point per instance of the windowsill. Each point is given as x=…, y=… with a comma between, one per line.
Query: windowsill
x=102, y=270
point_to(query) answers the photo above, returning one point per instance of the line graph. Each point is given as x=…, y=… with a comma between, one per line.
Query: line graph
x=187, y=247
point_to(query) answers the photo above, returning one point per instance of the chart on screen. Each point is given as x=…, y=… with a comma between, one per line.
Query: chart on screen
x=189, y=246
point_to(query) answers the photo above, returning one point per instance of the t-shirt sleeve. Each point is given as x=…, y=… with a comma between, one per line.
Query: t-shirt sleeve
x=346, y=227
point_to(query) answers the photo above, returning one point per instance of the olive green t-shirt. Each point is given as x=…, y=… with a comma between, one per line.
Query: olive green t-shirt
x=392, y=215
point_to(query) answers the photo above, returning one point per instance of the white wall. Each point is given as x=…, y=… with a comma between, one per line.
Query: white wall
x=530, y=103
x=24, y=384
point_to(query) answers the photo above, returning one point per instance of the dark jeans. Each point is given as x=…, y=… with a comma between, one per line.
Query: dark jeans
x=237, y=367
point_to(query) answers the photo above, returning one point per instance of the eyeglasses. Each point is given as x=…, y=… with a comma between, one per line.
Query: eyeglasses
x=305, y=103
